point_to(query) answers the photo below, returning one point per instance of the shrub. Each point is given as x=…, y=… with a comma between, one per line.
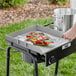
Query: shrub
x=57, y=1
x=9, y=3
x=17, y=2
x=61, y=1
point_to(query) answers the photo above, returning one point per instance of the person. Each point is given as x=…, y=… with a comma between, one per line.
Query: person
x=71, y=33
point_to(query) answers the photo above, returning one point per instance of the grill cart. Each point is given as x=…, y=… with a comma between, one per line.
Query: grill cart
x=57, y=50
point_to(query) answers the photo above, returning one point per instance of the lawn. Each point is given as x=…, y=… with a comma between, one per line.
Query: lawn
x=67, y=66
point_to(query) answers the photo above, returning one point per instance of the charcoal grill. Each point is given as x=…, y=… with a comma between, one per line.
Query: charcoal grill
x=37, y=54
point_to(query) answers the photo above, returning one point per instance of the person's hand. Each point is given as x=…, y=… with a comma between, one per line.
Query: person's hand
x=70, y=34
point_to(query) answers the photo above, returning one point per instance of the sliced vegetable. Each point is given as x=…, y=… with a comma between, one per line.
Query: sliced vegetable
x=38, y=38
x=28, y=36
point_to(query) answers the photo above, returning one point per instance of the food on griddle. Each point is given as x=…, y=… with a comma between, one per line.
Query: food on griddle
x=38, y=38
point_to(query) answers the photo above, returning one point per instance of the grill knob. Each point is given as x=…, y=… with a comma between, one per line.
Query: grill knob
x=52, y=59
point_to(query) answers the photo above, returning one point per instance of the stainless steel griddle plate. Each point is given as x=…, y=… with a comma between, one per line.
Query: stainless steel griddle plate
x=55, y=36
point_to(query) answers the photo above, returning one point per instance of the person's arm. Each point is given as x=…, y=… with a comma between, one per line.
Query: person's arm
x=71, y=33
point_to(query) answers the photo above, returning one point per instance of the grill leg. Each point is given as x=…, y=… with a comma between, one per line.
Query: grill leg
x=7, y=60
x=56, y=68
x=34, y=62
x=35, y=68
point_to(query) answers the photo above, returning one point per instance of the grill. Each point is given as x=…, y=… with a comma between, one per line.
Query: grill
x=37, y=54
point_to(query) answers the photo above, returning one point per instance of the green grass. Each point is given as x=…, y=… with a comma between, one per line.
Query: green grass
x=18, y=67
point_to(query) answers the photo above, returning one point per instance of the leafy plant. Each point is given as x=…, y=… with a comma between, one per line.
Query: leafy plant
x=61, y=1
x=57, y=1
x=5, y=4
x=17, y=2
x=9, y=3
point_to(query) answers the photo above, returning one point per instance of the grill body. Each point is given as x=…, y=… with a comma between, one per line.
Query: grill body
x=35, y=56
